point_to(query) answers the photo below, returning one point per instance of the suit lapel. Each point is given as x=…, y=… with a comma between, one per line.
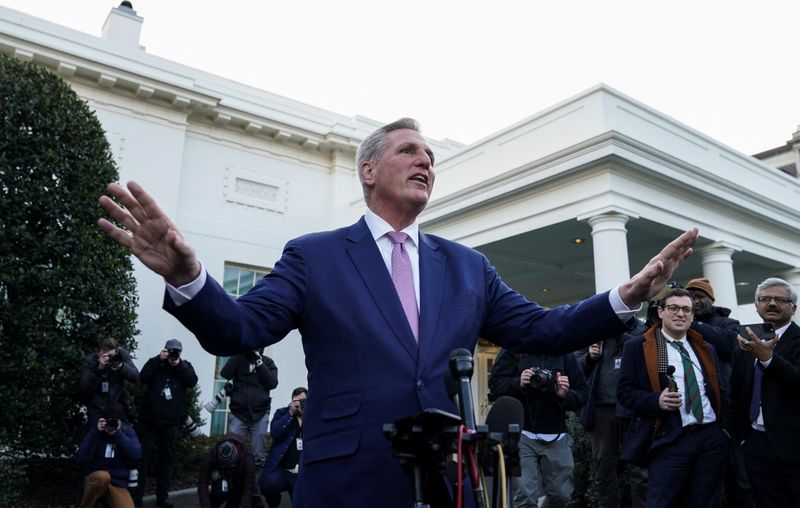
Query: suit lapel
x=366, y=257
x=432, y=272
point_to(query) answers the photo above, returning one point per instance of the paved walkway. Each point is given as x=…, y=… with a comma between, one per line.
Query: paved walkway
x=187, y=498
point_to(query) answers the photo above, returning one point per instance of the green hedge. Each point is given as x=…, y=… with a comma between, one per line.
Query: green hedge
x=63, y=285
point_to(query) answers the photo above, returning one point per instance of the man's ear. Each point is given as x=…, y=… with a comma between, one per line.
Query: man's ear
x=367, y=173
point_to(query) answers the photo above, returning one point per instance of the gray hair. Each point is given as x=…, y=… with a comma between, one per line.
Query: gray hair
x=371, y=149
x=775, y=281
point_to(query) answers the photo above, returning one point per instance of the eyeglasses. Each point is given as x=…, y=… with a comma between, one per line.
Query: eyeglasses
x=673, y=309
x=782, y=300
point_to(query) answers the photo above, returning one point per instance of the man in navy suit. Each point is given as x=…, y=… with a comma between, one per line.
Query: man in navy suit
x=380, y=306
x=688, y=451
x=766, y=394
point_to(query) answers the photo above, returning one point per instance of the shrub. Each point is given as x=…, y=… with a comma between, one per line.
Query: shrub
x=63, y=286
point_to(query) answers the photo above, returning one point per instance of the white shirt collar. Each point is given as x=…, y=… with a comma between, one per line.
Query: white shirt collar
x=379, y=227
x=669, y=337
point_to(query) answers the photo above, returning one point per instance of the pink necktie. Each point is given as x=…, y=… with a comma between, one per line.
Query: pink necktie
x=403, y=279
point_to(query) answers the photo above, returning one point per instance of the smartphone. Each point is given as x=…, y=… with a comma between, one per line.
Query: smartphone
x=764, y=331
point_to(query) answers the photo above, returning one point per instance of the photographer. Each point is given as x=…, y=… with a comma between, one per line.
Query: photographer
x=280, y=473
x=166, y=377
x=253, y=376
x=103, y=376
x=108, y=453
x=547, y=386
x=227, y=475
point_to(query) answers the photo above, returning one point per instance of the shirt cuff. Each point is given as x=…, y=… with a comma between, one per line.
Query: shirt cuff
x=183, y=294
x=620, y=309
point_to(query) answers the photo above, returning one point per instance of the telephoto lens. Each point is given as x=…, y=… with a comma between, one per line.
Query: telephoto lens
x=191, y=426
x=212, y=404
x=174, y=354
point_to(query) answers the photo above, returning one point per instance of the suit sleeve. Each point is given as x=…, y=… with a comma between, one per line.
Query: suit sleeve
x=248, y=485
x=263, y=316
x=630, y=392
x=784, y=372
x=519, y=325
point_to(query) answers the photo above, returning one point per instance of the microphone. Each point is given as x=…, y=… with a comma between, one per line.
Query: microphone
x=461, y=366
x=671, y=384
x=504, y=412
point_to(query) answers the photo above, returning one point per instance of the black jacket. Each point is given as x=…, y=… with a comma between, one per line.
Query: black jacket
x=240, y=478
x=720, y=331
x=545, y=413
x=92, y=379
x=250, y=398
x=158, y=374
x=591, y=369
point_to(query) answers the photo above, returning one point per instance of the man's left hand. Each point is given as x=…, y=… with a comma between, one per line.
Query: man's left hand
x=761, y=349
x=654, y=276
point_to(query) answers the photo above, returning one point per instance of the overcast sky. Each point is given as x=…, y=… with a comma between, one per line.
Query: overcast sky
x=466, y=69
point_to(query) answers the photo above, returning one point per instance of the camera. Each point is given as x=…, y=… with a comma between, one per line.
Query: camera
x=191, y=426
x=540, y=377
x=112, y=424
x=115, y=360
x=302, y=404
x=174, y=354
x=212, y=404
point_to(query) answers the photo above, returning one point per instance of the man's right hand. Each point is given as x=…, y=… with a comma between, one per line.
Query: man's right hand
x=148, y=234
x=669, y=401
x=525, y=378
x=102, y=360
x=294, y=407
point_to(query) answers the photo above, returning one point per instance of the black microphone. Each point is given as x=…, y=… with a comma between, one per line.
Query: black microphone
x=461, y=366
x=504, y=412
x=671, y=384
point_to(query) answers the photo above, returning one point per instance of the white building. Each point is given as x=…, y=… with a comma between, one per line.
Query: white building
x=563, y=202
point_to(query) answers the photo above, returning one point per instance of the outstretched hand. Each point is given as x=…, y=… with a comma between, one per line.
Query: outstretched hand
x=148, y=233
x=654, y=276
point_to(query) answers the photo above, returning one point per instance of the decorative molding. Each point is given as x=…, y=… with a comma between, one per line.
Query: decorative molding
x=257, y=190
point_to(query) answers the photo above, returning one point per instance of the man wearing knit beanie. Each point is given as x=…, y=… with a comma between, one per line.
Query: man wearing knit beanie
x=717, y=328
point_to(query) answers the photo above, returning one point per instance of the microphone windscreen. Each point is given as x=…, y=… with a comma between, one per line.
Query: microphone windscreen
x=670, y=370
x=450, y=385
x=504, y=412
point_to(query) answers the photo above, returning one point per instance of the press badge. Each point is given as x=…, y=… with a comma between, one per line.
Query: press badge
x=617, y=363
x=167, y=393
x=299, y=444
x=109, y=450
x=224, y=485
x=104, y=387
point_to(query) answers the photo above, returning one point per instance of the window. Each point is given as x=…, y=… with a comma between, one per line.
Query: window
x=237, y=280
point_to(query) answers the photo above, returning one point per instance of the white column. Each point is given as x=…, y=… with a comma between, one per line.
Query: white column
x=609, y=237
x=793, y=278
x=718, y=268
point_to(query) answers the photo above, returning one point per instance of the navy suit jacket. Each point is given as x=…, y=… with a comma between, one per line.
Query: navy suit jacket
x=640, y=385
x=780, y=396
x=364, y=366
